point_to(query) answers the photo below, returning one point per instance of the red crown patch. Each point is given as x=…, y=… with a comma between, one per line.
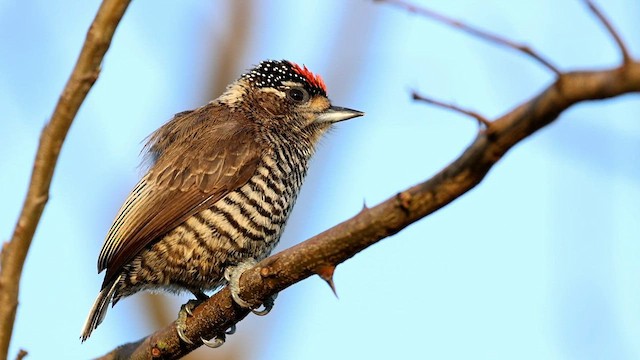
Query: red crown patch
x=313, y=79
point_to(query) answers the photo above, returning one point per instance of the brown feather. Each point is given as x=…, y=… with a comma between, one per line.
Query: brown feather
x=189, y=175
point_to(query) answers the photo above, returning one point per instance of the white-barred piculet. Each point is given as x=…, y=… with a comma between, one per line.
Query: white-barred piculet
x=220, y=186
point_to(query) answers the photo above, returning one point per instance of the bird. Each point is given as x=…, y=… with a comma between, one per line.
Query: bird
x=220, y=184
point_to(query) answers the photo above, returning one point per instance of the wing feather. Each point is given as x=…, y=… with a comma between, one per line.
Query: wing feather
x=189, y=175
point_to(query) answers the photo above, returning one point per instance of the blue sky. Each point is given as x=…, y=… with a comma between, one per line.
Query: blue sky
x=538, y=261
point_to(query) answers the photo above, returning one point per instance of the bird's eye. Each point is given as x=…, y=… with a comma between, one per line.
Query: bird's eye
x=298, y=95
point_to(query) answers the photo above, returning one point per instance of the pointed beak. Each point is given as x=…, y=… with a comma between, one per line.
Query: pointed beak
x=336, y=114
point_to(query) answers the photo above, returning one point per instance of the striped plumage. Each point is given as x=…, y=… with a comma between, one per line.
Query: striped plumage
x=222, y=181
x=245, y=223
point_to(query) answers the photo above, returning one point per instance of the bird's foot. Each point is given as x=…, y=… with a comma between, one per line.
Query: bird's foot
x=267, y=306
x=232, y=275
x=186, y=310
x=219, y=340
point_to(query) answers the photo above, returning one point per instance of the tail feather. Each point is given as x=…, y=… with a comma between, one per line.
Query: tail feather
x=99, y=309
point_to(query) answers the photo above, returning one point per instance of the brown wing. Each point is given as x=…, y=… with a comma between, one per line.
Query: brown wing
x=199, y=158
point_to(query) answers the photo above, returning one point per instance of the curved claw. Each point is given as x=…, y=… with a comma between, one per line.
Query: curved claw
x=263, y=312
x=181, y=335
x=231, y=330
x=181, y=323
x=232, y=275
x=216, y=342
x=237, y=299
x=268, y=305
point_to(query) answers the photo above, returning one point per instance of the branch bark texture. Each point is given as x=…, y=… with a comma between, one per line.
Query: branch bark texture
x=84, y=75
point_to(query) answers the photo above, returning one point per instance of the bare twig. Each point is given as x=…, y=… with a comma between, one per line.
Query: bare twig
x=82, y=78
x=481, y=119
x=626, y=58
x=343, y=241
x=21, y=354
x=474, y=31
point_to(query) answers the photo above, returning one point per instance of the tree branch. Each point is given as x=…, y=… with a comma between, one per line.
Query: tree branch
x=614, y=34
x=84, y=75
x=21, y=354
x=320, y=254
x=485, y=35
x=479, y=118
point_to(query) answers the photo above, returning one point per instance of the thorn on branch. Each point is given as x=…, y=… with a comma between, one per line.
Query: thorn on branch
x=485, y=35
x=626, y=58
x=326, y=273
x=481, y=119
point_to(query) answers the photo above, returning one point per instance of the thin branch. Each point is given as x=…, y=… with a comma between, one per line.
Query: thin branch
x=84, y=74
x=321, y=253
x=626, y=58
x=21, y=354
x=481, y=119
x=474, y=31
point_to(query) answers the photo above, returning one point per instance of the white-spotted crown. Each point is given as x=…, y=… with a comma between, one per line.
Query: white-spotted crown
x=274, y=73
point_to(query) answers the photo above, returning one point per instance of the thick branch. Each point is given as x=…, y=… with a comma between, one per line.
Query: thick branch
x=82, y=78
x=320, y=254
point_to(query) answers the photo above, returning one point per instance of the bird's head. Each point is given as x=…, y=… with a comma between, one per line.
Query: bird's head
x=283, y=95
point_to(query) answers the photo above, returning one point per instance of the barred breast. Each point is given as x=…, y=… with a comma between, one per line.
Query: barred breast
x=246, y=223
